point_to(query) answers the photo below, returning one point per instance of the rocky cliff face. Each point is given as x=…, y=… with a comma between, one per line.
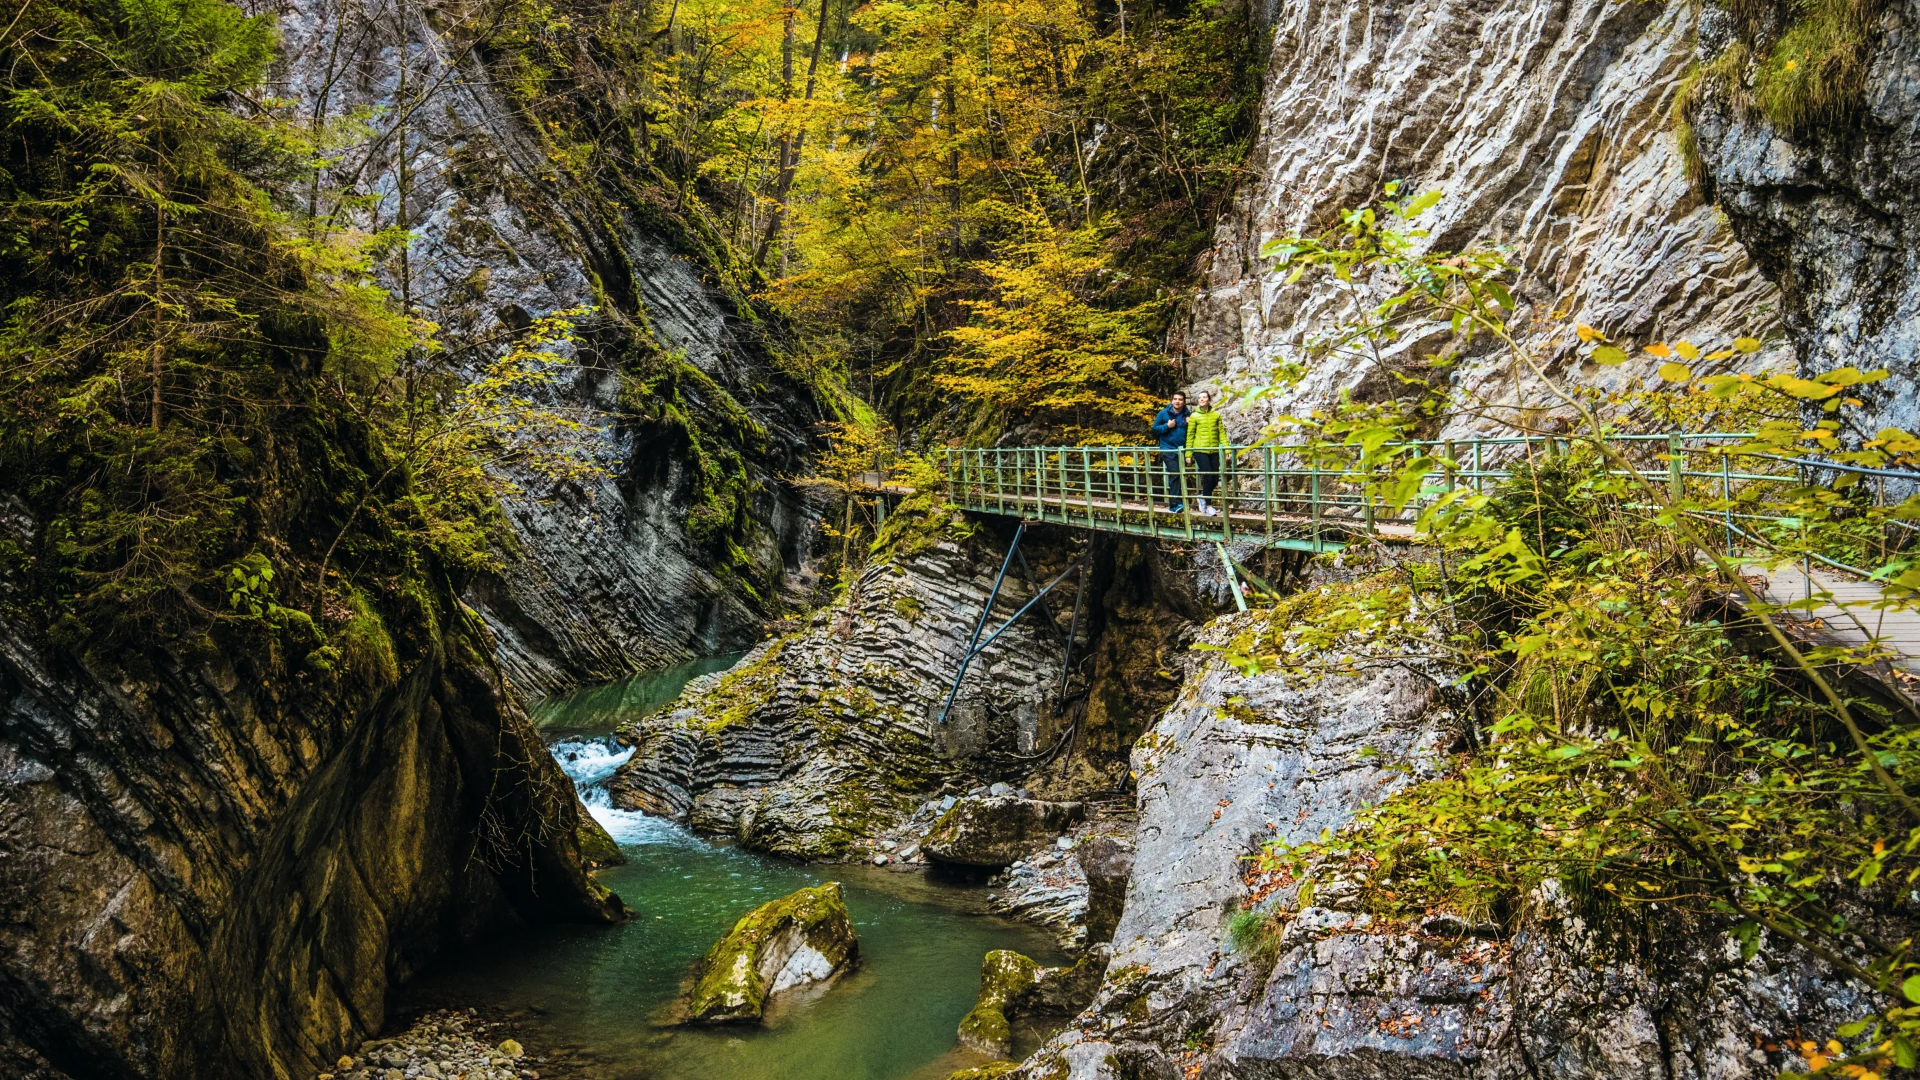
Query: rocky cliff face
x=676, y=548
x=1831, y=212
x=1548, y=128
x=208, y=869
x=1242, y=759
x=827, y=736
x=206, y=874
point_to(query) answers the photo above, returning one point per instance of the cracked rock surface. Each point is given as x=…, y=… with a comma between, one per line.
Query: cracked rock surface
x=1241, y=759
x=824, y=739
x=1546, y=126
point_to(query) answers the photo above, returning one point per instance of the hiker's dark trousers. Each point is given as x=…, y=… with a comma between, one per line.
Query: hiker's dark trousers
x=1207, y=464
x=1170, y=461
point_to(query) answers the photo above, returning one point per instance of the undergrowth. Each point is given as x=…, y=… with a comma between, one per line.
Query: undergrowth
x=1643, y=740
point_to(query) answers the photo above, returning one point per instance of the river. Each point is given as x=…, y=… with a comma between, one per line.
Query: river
x=596, y=1001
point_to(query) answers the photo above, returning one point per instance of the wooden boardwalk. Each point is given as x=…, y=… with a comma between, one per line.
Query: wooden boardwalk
x=1847, y=612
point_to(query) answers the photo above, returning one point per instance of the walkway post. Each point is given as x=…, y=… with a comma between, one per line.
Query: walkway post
x=1313, y=503
x=1676, y=472
x=1073, y=624
x=1726, y=498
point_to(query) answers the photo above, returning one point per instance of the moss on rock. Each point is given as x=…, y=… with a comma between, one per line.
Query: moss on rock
x=1007, y=980
x=597, y=848
x=802, y=938
x=1012, y=984
x=995, y=830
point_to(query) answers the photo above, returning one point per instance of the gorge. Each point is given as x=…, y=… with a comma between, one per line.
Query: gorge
x=471, y=528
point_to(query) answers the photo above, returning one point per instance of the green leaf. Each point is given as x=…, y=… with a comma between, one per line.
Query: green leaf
x=1609, y=355
x=1675, y=372
x=1420, y=204
x=1911, y=989
x=1747, y=344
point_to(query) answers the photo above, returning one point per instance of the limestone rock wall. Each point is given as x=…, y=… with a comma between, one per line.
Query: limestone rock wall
x=1833, y=213
x=607, y=578
x=201, y=878
x=1548, y=128
x=830, y=734
x=1239, y=760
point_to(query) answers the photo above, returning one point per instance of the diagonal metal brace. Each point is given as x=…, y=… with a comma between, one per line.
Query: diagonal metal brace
x=986, y=612
x=982, y=647
x=974, y=650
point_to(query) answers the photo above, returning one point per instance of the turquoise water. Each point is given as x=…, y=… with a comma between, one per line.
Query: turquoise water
x=597, y=1001
x=595, y=710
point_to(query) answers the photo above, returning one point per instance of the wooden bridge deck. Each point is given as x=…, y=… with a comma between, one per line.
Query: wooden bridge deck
x=1847, y=611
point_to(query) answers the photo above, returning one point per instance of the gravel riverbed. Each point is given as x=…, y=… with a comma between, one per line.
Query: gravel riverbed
x=447, y=1045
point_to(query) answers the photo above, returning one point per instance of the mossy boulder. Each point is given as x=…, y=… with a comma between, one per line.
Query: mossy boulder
x=1006, y=982
x=806, y=937
x=597, y=848
x=996, y=830
x=1012, y=984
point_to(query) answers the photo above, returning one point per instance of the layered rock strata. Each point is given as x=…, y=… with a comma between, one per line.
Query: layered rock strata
x=205, y=875
x=1548, y=129
x=682, y=409
x=995, y=830
x=831, y=734
x=1240, y=760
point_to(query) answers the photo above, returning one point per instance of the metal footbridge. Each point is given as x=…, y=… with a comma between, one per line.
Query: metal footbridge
x=1320, y=498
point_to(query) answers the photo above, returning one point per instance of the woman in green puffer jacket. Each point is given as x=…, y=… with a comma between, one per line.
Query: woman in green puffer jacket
x=1206, y=436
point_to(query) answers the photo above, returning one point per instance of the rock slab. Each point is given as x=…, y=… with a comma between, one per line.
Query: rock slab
x=1013, y=984
x=996, y=830
x=1241, y=759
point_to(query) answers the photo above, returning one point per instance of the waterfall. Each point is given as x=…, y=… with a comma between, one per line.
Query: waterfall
x=591, y=762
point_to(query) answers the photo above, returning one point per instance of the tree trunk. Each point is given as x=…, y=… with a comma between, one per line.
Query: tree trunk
x=790, y=158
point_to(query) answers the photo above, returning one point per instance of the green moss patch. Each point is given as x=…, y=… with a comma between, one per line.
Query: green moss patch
x=801, y=938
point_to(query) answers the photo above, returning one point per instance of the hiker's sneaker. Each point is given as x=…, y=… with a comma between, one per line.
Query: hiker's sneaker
x=1212, y=511
x=1177, y=508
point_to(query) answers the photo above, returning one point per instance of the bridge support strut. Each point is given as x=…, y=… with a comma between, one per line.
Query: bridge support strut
x=975, y=646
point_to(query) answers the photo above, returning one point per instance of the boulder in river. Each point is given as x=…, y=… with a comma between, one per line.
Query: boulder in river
x=1012, y=984
x=805, y=937
x=996, y=830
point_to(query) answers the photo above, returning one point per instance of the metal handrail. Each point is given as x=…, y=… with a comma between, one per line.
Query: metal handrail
x=1314, y=497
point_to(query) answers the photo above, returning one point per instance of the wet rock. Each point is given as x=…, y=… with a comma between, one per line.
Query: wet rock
x=993, y=1070
x=995, y=830
x=1012, y=984
x=1049, y=890
x=597, y=848
x=803, y=938
x=438, y=1046
x=241, y=847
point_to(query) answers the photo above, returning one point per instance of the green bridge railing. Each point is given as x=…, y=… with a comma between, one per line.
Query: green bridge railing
x=1316, y=498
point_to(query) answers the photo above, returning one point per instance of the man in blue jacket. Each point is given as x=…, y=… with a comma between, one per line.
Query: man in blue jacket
x=1170, y=427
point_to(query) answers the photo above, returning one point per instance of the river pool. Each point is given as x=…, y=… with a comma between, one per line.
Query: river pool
x=596, y=1000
